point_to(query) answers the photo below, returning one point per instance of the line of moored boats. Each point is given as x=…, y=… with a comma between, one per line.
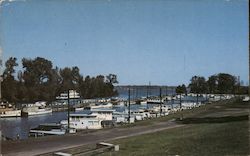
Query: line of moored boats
x=105, y=114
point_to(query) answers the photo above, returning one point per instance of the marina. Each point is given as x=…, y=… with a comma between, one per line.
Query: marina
x=21, y=126
x=124, y=78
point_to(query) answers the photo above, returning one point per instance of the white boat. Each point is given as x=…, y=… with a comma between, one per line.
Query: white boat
x=123, y=117
x=154, y=101
x=108, y=105
x=79, y=109
x=144, y=102
x=48, y=129
x=246, y=99
x=38, y=108
x=164, y=108
x=89, y=121
x=72, y=95
x=7, y=110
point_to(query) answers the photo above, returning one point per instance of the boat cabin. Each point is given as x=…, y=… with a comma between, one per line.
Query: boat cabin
x=85, y=121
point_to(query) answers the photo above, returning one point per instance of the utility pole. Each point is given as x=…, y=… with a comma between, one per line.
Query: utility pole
x=68, y=112
x=181, y=107
x=149, y=88
x=129, y=105
x=147, y=96
x=160, y=102
x=249, y=70
x=147, y=92
x=197, y=99
x=180, y=101
x=1, y=78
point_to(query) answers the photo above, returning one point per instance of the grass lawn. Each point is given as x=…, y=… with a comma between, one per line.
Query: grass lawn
x=223, y=136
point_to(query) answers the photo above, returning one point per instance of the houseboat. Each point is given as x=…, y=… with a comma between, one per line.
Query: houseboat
x=7, y=110
x=93, y=120
x=37, y=108
x=123, y=117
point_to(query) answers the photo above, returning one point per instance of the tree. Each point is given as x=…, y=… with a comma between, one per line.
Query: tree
x=181, y=89
x=198, y=85
x=37, y=77
x=226, y=83
x=9, y=85
x=70, y=79
x=212, y=83
x=40, y=81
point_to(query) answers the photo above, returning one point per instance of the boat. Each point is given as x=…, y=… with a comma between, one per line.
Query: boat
x=141, y=101
x=7, y=110
x=123, y=117
x=47, y=129
x=246, y=99
x=93, y=120
x=72, y=95
x=108, y=105
x=154, y=101
x=79, y=109
x=37, y=108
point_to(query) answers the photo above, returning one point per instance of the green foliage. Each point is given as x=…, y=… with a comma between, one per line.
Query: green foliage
x=226, y=83
x=212, y=84
x=198, y=85
x=221, y=83
x=40, y=81
x=181, y=89
x=9, y=85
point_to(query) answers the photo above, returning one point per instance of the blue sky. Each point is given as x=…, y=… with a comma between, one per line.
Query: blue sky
x=162, y=41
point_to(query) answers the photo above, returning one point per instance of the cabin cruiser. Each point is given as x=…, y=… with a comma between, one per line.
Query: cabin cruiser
x=37, y=108
x=7, y=110
x=49, y=129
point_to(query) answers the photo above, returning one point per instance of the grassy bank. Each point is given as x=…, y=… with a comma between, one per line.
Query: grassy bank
x=224, y=132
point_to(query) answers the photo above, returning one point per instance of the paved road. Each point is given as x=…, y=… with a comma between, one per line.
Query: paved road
x=49, y=144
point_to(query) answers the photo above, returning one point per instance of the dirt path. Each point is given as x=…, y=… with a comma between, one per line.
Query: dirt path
x=49, y=144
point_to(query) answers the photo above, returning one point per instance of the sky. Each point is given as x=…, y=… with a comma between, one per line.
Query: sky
x=164, y=42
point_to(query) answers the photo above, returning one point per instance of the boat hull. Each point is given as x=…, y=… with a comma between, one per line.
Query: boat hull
x=7, y=114
x=38, y=112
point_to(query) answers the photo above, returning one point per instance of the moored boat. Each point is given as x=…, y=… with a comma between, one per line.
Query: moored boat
x=38, y=108
x=7, y=110
x=246, y=99
x=48, y=129
x=108, y=105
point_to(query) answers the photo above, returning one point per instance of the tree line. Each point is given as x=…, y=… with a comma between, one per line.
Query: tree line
x=221, y=83
x=39, y=80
